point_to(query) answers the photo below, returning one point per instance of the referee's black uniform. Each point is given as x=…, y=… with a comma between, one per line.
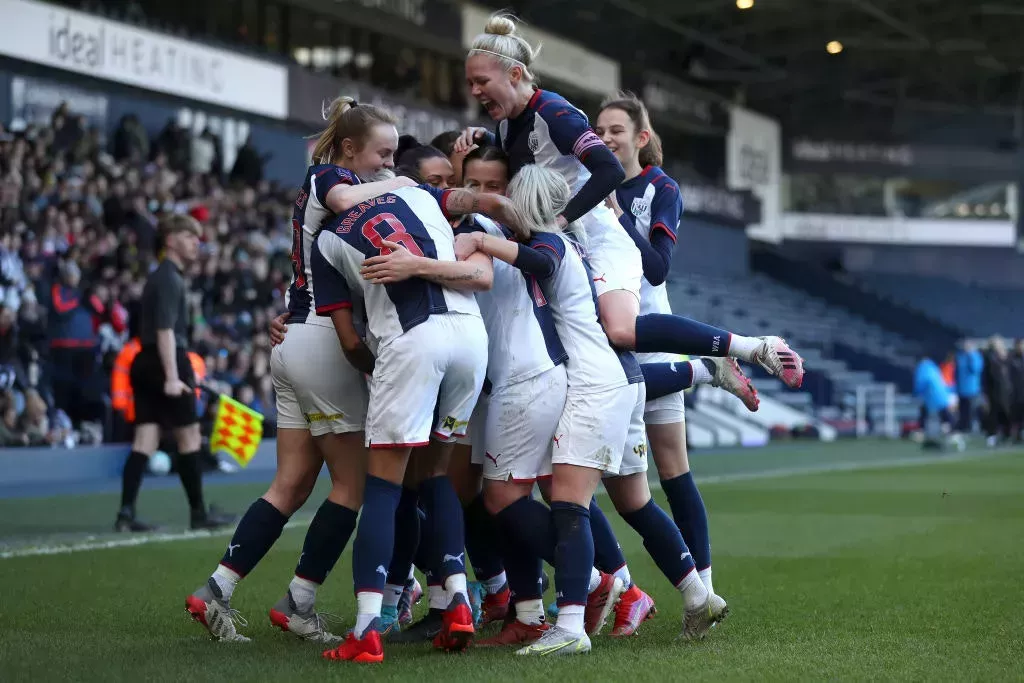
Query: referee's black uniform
x=164, y=307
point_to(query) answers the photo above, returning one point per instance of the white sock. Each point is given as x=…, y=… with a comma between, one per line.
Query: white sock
x=392, y=594
x=595, y=580
x=438, y=597
x=693, y=590
x=705, y=577
x=456, y=583
x=570, y=618
x=226, y=579
x=744, y=347
x=495, y=583
x=303, y=592
x=367, y=609
x=623, y=574
x=530, y=612
x=701, y=374
x=412, y=573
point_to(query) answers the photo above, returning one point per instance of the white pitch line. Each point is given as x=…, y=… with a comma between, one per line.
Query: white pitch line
x=134, y=540
x=847, y=466
x=825, y=468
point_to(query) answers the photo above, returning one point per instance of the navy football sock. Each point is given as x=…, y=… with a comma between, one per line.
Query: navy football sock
x=574, y=553
x=529, y=522
x=608, y=555
x=256, y=532
x=407, y=537
x=657, y=332
x=523, y=569
x=375, y=535
x=690, y=516
x=481, y=532
x=663, y=541
x=445, y=527
x=326, y=538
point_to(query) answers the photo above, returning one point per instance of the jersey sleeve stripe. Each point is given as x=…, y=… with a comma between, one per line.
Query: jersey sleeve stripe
x=661, y=226
x=550, y=248
x=327, y=309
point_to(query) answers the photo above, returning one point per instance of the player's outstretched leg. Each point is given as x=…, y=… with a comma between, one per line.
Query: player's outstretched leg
x=664, y=379
x=658, y=332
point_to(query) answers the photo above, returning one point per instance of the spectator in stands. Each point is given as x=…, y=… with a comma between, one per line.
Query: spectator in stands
x=1017, y=379
x=969, y=366
x=82, y=224
x=936, y=399
x=997, y=384
x=10, y=435
x=248, y=168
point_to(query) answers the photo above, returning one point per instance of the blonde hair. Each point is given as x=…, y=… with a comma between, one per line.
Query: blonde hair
x=346, y=118
x=500, y=41
x=539, y=195
x=651, y=154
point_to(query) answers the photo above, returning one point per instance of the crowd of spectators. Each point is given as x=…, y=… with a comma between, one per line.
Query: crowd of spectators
x=78, y=218
x=974, y=389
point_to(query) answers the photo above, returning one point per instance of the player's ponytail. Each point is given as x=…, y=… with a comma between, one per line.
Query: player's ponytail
x=539, y=195
x=347, y=119
x=650, y=154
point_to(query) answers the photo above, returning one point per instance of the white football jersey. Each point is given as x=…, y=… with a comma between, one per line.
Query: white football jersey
x=412, y=217
x=523, y=342
x=593, y=364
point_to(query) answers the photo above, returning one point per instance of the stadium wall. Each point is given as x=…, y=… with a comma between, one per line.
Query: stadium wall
x=53, y=467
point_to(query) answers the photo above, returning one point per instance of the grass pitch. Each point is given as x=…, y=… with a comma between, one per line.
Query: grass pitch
x=838, y=561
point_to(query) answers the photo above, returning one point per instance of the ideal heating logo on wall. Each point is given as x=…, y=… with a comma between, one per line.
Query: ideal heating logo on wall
x=114, y=51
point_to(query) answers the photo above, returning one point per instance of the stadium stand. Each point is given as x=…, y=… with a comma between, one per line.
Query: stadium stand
x=976, y=309
x=78, y=224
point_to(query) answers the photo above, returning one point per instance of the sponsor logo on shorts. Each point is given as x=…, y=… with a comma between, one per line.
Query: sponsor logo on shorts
x=451, y=424
x=322, y=417
x=600, y=278
x=641, y=449
x=492, y=458
x=556, y=439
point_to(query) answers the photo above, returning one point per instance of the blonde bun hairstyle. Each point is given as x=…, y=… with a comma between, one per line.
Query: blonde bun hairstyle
x=500, y=41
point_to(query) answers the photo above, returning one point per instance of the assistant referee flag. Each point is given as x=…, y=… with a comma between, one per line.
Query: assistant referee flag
x=237, y=430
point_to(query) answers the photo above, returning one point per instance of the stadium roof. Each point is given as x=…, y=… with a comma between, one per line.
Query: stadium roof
x=897, y=57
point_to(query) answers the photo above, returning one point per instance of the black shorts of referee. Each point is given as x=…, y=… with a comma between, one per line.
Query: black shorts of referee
x=152, y=404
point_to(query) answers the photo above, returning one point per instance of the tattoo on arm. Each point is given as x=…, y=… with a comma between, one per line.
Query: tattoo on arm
x=461, y=202
x=475, y=275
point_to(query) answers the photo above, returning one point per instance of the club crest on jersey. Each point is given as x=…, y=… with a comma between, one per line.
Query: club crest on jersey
x=534, y=142
x=641, y=207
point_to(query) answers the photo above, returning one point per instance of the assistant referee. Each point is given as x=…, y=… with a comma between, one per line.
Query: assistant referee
x=162, y=380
